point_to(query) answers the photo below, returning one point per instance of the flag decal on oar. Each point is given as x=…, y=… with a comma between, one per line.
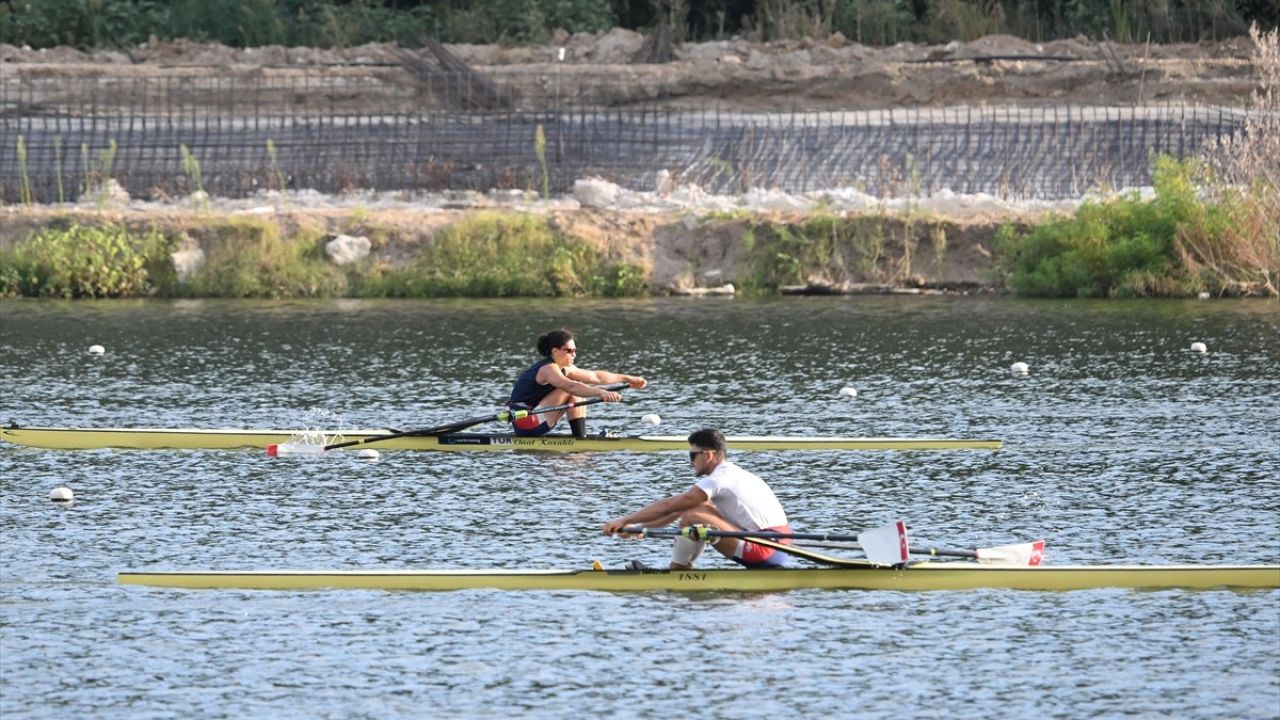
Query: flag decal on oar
x=886, y=545
x=1031, y=553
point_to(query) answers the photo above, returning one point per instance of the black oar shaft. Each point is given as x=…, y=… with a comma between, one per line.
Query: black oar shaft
x=771, y=535
x=464, y=424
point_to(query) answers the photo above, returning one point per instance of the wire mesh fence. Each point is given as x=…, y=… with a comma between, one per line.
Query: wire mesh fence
x=236, y=136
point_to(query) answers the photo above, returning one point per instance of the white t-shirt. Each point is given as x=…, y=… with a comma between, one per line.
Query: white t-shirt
x=742, y=498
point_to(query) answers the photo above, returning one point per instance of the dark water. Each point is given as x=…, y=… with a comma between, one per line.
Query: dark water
x=1121, y=445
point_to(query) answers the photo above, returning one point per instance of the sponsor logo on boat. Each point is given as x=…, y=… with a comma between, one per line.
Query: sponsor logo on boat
x=464, y=440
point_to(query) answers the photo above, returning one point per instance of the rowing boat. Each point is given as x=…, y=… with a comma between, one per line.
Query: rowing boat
x=918, y=577
x=214, y=439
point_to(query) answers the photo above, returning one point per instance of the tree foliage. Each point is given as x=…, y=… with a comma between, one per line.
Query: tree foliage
x=343, y=23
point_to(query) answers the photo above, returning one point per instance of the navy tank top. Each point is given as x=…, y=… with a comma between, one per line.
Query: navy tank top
x=527, y=392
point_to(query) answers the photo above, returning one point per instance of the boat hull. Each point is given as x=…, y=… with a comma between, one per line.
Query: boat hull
x=920, y=577
x=200, y=439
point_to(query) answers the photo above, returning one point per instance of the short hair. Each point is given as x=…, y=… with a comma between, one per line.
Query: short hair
x=708, y=439
x=553, y=339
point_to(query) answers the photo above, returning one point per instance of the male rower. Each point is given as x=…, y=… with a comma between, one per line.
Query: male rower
x=555, y=380
x=725, y=497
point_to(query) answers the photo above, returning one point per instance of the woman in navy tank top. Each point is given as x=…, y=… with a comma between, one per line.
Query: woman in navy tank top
x=555, y=380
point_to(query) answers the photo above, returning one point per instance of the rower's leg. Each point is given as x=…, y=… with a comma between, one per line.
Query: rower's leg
x=555, y=397
x=686, y=551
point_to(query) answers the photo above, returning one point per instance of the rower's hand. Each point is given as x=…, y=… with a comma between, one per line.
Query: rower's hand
x=611, y=396
x=615, y=526
x=636, y=382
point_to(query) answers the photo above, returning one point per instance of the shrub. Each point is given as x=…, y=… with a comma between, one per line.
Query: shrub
x=1187, y=239
x=504, y=255
x=81, y=262
x=247, y=258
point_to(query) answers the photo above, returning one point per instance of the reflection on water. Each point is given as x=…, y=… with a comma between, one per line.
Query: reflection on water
x=1121, y=445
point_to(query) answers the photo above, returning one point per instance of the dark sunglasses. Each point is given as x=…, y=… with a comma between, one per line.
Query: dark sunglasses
x=571, y=351
x=693, y=454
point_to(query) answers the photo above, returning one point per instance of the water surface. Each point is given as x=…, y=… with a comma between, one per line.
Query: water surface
x=1121, y=445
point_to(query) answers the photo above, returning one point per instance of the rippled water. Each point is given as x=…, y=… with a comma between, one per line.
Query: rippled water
x=1120, y=446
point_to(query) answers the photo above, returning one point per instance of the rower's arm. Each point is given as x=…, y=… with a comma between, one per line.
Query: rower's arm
x=555, y=378
x=604, y=377
x=659, y=513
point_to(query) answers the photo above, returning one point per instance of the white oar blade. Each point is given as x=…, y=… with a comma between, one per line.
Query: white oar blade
x=284, y=449
x=1031, y=554
x=885, y=545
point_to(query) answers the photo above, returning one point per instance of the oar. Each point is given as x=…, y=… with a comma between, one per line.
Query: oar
x=504, y=416
x=1017, y=554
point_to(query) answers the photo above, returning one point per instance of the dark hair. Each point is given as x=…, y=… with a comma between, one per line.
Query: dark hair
x=708, y=439
x=553, y=339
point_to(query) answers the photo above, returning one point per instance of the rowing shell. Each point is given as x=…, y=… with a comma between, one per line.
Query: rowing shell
x=919, y=577
x=198, y=439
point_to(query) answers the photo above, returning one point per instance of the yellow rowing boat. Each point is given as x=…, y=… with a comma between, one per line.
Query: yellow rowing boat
x=221, y=439
x=918, y=577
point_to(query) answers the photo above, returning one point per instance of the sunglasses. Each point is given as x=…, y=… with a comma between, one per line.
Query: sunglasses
x=571, y=351
x=693, y=454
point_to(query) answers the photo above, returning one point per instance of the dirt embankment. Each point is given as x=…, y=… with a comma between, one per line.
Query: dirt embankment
x=736, y=75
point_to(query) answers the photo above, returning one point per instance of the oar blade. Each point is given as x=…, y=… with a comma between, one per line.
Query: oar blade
x=1023, y=554
x=886, y=545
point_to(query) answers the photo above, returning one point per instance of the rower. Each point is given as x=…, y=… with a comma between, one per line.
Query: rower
x=725, y=497
x=555, y=380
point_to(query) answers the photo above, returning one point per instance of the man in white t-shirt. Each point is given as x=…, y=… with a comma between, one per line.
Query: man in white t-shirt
x=725, y=497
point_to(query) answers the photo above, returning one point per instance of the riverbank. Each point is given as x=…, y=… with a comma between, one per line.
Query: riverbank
x=281, y=251
x=1171, y=241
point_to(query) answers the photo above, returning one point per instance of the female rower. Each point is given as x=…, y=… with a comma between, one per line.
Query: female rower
x=555, y=380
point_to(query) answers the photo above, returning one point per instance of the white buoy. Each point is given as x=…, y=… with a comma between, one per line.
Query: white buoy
x=1204, y=295
x=62, y=495
x=96, y=349
x=1199, y=347
x=368, y=454
x=651, y=419
x=1019, y=368
x=848, y=392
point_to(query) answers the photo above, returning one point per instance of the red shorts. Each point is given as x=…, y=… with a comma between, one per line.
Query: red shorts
x=529, y=425
x=753, y=555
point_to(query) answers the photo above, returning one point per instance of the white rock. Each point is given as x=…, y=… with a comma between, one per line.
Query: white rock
x=1199, y=347
x=109, y=192
x=96, y=349
x=1019, y=368
x=595, y=192
x=663, y=184
x=347, y=249
x=187, y=261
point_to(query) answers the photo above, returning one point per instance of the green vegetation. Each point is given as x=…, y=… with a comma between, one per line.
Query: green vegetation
x=346, y=23
x=248, y=258
x=81, y=262
x=1179, y=243
x=831, y=249
x=504, y=255
x=488, y=255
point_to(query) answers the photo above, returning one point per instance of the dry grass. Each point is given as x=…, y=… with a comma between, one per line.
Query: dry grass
x=1244, y=174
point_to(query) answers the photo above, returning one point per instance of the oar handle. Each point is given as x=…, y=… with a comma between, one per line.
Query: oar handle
x=701, y=532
